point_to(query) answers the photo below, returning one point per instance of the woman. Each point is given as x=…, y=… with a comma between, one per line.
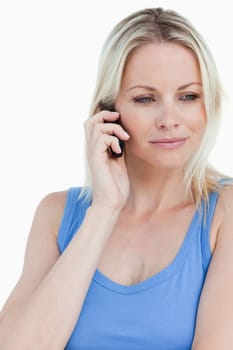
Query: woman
x=141, y=257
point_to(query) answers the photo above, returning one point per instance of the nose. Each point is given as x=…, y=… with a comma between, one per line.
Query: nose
x=167, y=117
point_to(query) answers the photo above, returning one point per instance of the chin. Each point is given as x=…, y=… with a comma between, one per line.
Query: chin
x=166, y=161
x=161, y=165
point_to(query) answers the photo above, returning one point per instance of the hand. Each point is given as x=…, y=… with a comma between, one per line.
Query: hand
x=109, y=175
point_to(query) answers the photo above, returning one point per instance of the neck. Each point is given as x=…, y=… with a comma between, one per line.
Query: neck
x=155, y=190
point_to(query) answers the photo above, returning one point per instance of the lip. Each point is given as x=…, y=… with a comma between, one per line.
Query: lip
x=169, y=143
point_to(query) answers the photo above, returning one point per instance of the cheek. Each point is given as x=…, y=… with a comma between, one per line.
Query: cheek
x=197, y=120
x=138, y=131
x=136, y=128
x=197, y=128
x=131, y=123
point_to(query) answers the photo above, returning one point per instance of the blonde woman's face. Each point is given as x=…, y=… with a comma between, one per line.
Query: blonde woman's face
x=161, y=105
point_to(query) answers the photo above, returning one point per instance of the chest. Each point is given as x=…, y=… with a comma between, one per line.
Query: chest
x=152, y=315
x=137, y=251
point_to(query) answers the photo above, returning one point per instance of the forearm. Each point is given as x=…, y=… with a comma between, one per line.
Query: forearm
x=215, y=342
x=212, y=346
x=47, y=319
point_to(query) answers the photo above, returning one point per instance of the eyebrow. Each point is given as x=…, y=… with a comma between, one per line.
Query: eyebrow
x=150, y=88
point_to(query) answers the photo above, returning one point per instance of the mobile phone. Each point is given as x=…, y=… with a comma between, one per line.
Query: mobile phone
x=110, y=107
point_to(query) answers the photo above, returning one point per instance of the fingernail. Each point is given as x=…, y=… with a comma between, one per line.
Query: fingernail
x=126, y=134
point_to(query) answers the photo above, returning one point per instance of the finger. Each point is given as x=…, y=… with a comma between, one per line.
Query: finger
x=113, y=143
x=103, y=116
x=111, y=129
x=102, y=144
x=100, y=117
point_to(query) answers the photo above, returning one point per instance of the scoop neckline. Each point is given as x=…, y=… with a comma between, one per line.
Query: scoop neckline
x=158, y=277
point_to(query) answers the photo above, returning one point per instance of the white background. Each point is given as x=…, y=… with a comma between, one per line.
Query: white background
x=48, y=60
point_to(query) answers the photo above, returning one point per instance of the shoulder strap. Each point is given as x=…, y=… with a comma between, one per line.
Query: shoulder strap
x=206, y=228
x=73, y=216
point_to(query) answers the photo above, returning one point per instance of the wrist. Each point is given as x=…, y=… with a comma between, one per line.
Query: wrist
x=103, y=211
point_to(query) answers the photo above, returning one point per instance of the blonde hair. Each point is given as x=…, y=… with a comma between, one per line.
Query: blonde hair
x=158, y=25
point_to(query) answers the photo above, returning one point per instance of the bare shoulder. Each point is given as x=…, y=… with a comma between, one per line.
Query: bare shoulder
x=225, y=206
x=58, y=198
x=223, y=209
x=215, y=316
x=226, y=210
x=51, y=208
x=226, y=198
x=41, y=251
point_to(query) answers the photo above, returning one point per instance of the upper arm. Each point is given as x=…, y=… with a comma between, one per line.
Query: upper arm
x=41, y=250
x=214, y=327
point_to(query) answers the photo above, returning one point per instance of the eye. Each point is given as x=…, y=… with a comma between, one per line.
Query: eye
x=144, y=99
x=189, y=97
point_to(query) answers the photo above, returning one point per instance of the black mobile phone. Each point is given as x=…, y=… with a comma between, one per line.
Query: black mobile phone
x=110, y=107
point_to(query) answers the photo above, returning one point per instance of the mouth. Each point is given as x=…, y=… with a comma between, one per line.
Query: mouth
x=168, y=143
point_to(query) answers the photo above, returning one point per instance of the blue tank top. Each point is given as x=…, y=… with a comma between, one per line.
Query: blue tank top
x=158, y=313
